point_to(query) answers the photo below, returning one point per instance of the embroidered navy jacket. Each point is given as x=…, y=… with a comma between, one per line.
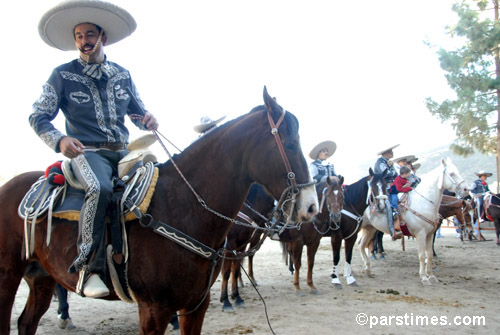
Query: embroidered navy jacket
x=94, y=109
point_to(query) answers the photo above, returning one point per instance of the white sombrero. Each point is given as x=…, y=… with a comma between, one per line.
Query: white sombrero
x=206, y=123
x=328, y=145
x=483, y=173
x=407, y=158
x=416, y=166
x=388, y=149
x=57, y=25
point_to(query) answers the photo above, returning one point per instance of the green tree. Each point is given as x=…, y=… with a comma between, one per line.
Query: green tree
x=473, y=72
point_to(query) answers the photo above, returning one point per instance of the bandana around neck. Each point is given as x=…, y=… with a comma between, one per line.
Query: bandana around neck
x=98, y=70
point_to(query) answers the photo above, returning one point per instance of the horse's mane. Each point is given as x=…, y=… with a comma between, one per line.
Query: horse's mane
x=193, y=150
x=352, y=192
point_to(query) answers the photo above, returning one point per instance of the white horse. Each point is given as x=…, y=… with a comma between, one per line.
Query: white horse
x=420, y=214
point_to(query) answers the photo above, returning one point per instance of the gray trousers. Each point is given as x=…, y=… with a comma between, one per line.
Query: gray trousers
x=94, y=170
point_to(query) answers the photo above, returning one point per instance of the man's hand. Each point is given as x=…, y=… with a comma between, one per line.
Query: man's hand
x=71, y=147
x=149, y=120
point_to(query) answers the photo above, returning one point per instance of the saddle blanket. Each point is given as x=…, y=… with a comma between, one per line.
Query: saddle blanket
x=65, y=201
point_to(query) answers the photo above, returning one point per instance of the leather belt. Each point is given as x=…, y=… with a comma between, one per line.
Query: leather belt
x=105, y=145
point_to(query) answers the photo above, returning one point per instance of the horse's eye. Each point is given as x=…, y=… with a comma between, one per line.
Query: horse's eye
x=292, y=146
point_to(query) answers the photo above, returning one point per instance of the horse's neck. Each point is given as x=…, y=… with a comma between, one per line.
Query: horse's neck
x=360, y=205
x=430, y=193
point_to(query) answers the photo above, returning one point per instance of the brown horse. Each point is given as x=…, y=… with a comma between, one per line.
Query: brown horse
x=492, y=207
x=370, y=190
x=258, y=206
x=460, y=209
x=311, y=233
x=199, y=196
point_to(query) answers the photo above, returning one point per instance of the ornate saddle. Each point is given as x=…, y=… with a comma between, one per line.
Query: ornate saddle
x=135, y=187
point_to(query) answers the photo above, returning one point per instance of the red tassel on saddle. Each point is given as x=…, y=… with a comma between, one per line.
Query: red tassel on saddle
x=54, y=174
x=405, y=230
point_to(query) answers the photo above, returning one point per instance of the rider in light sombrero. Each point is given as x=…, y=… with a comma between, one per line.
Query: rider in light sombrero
x=94, y=95
x=321, y=169
x=207, y=124
x=480, y=188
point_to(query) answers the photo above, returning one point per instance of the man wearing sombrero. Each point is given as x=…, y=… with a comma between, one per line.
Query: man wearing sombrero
x=384, y=163
x=94, y=95
x=480, y=188
x=321, y=169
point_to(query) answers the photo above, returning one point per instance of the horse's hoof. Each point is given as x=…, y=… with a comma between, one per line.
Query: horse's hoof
x=434, y=279
x=227, y=307
x=337, y=286
x=299, y=293
x=239, y=302
x=426, y=282
x=368, y=272
x=354, y=283
x=65, y=323
x=314, y=292
x=374, y=257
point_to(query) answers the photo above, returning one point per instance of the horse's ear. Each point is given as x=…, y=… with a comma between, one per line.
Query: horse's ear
x=370, y=171
x=341, y=180
x=443, y=162
x=270, y=103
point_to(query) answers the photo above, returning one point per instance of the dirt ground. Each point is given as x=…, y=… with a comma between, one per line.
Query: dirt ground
x=392, y=301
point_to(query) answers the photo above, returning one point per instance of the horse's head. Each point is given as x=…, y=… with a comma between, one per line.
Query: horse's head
x=452, y=180
x=468, y=212
x=333, y=194
x=277, y=162
x=377, y=190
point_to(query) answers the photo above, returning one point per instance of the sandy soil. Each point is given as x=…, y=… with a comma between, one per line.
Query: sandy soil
x=466, y=301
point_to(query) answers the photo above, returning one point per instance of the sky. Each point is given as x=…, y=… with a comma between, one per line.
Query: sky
x=355, y=72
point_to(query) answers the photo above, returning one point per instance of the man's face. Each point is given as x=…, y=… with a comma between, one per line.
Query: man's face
x=323, y=154
x=86, y=37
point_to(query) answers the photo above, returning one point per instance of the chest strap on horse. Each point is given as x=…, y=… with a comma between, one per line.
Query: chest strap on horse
x=174, y=235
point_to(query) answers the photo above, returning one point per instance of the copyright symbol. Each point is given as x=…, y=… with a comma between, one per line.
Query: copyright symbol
x=361, y=319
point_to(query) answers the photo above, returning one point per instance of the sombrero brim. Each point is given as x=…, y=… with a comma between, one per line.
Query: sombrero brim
x=482, y=173
x=329, y=145
x=142, y=142
x=200, y=128
x=388, y=149
x=56, y=25
x=408, y=158
x=416, y=166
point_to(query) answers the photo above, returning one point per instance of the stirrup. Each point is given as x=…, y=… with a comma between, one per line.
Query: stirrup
x=94, y=287
x=397, y=235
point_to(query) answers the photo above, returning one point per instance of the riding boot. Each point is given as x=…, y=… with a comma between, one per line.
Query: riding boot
x=397, y=228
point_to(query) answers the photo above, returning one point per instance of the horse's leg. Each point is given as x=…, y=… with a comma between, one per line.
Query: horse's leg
x=224, y=296
x=41, y=292
x=433, y=242
x=429, y=246
x=250, y=269
x=366, y=238
x=336, y=241
x=497, y=229
x=9, y=283
x=154, y=318
x=296, y=249
x=235, y=293
x=349, y=245
x=191, y=323
x=311, y=254
x=421, y=244
x=63, y=319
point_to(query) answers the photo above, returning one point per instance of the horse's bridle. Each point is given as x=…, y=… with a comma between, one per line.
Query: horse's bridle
x=455, y=184
x=275, y=133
